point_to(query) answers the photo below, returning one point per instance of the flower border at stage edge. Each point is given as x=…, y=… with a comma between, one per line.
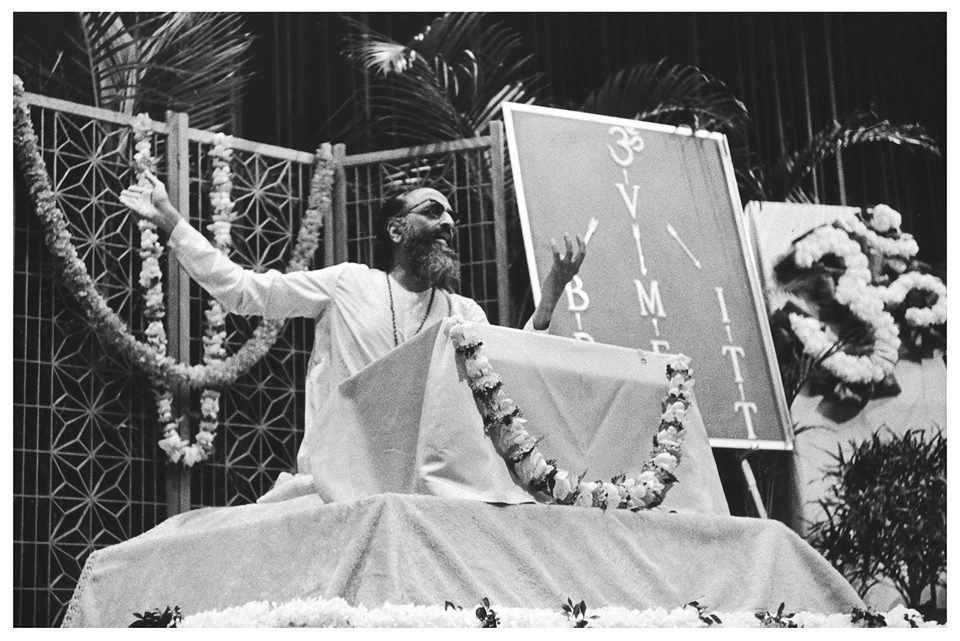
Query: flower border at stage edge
x=337, y=613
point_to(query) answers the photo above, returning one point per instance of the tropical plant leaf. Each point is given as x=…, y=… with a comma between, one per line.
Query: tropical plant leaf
x=784, y=179
x=152, y=62
x=446, y=82
x=675, y=94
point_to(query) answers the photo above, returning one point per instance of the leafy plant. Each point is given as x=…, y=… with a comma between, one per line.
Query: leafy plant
x=784, y=178
x=147, y=62
x=447, y=82
x=868, y=618
x=709, y=618
x=577, y=613
x=487, y=614
x=156, y=619
x=885, y=513
x=778, y=620
x=669, y=93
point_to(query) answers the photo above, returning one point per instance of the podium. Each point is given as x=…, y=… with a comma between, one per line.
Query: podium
x=414, y=505
x=408, y=422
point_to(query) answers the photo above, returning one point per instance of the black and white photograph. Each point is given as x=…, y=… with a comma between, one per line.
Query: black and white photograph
x=511, y=318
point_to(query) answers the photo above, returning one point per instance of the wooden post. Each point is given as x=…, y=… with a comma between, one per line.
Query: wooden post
x=751, y=481
x=178, y=305
x=500, y=220
x=339, y=228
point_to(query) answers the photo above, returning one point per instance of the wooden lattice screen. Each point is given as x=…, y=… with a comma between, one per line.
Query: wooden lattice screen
x=87, y=469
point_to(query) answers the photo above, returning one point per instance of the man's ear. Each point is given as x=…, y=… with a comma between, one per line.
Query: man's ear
x=393, y=230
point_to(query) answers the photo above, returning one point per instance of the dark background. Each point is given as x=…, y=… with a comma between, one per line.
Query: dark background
x=796, y=72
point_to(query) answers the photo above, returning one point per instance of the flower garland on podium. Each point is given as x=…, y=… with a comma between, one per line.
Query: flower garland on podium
x=503, y=423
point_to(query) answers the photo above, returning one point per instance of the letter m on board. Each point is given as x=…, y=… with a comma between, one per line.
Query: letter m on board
x=650, y=302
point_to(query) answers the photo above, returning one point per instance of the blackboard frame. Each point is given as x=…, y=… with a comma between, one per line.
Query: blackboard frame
x=782, y=438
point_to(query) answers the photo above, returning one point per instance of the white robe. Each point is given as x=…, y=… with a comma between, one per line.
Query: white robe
x=350, y=302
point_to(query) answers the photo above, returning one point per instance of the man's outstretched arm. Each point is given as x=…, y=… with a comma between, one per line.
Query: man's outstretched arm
x=270, y=294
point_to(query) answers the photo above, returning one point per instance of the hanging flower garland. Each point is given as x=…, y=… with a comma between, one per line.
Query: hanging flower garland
x=73, y=271
x=151, y=281
x=503, y=423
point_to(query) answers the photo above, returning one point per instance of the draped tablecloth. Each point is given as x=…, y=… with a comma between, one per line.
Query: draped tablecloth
x=408, y=422
x=425, y=550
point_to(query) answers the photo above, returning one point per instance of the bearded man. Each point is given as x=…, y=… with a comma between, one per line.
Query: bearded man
x=361, y=313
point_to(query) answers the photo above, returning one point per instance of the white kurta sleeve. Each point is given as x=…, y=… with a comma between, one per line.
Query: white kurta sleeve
x=270, y=294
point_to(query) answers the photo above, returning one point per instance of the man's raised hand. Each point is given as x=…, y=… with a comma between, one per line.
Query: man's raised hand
x=151, y=203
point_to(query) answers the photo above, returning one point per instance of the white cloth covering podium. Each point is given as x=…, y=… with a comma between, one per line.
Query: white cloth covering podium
x=414, y=505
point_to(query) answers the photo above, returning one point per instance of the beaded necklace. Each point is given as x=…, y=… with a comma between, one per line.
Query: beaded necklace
x=393, y=313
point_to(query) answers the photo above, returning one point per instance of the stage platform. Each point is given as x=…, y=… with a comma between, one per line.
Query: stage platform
x=415, y=549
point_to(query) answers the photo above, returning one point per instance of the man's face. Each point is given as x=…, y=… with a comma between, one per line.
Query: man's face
x=429, y=214
x=426, y=236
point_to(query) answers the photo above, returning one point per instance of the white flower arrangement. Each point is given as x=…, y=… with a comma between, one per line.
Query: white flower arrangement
x=865, y=302
x=896, y=292
x=885, y=219
x=337, y=613
x=872, y=249
x=505, y=426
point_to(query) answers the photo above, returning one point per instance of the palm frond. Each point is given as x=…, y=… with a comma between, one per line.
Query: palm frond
x=182, y=61
x=675, y=94
x=447, y=82
x=784, y=179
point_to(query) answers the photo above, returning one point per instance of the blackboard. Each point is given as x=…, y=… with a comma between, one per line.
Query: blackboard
x=667, y=268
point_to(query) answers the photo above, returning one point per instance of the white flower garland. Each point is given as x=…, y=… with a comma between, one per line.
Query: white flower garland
x=884, y=219
x=151, y=280
x=504, y=425
x=337, y=613
x=897, y=291
x=864, y=301
x=215, y=333
x=77, y=280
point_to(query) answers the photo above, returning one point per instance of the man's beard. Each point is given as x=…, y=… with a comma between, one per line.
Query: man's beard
x=429, y=259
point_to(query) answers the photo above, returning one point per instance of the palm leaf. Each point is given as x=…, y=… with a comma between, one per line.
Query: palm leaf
x=447, y=82
x=784, y=179
x=675, y=94
x=133, y=62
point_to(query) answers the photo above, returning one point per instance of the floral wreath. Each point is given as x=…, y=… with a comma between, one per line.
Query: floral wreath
x=503, y=423
x=908, y=310
x=161, y=369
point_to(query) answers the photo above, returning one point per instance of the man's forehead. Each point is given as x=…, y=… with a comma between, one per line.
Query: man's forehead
x=422, y=195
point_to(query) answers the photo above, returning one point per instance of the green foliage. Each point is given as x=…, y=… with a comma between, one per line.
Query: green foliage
x=445, y=83
x=148, y=62
x=885, y=514
x=706, y=617
x=784, y=179
x=156, y=619
x=673, y=94
x=487, y=614
x=778, y=620
x=867, y=618
x=577, y=613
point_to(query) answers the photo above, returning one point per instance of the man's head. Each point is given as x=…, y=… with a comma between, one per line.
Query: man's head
x=415, y=229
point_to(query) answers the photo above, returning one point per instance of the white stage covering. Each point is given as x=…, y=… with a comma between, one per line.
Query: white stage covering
x=421, y=509
x=426, y=550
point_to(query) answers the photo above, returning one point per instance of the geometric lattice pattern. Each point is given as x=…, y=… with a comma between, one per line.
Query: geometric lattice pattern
x=87, y=469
